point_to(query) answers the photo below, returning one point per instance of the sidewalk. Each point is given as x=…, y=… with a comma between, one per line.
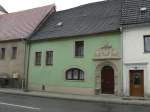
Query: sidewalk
x=95, y=98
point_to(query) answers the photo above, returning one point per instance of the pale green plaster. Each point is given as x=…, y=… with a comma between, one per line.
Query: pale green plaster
x=64, y=59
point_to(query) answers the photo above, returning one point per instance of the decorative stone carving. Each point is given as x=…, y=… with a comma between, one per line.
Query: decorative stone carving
x=98, y=70
x=106, y=52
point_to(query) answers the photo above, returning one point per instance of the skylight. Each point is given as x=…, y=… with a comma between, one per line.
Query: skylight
x=60, y=23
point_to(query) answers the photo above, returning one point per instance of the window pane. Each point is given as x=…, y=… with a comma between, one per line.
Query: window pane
x=147, y=43
x=137, y=79
x=75, y=74
x=81, y=75
x=38, y=58
x=49, y=57
x=2, y=53
x=14, y=52
x=69, y=75
x=79, y=48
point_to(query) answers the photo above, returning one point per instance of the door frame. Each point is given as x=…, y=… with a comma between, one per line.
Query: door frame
x=99, y=66
x=134, y=66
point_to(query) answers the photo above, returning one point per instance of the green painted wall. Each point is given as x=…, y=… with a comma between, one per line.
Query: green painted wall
x=63, y=59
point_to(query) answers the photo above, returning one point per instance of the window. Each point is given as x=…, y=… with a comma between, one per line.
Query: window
x=79, y=48
x=74, y=74
x=37, y=58
x=143, y=11
x=2, y=54
x=14, y=52
x=49, y=57
x=146, y=43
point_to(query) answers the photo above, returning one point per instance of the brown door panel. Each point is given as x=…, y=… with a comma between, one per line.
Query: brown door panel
x=107, y=80
x=136, y=82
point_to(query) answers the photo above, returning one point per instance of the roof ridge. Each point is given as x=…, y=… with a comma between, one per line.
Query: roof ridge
x=83, y=5
x=21, y=11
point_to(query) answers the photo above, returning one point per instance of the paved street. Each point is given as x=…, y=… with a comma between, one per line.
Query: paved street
x=18, y=103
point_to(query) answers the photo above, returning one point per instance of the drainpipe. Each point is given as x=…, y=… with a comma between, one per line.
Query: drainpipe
x=122, y=86
x=27, y=60
x=24, y=72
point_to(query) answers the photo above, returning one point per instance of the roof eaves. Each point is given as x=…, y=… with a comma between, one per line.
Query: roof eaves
x=62, y=37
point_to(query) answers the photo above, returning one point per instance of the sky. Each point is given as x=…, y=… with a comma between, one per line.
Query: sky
x=17, y=5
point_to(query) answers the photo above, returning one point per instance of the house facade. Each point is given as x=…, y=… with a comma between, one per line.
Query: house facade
x=136, y=41
x=71, y=53
x=12, y=61
x=15, y=28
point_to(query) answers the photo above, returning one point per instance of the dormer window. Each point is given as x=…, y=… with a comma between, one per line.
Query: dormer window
x=143, y=10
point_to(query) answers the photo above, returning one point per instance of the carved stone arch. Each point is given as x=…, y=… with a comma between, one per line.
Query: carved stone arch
x=106, y=56
x=98, y=70
x=106, y=63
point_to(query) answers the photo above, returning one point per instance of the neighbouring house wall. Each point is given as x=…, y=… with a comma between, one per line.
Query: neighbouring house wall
x=134, y=57
x=1, y=13
x=9, y=65
x=53, y=77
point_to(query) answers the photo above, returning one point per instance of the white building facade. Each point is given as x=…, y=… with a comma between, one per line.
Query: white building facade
x=136, y=61
x=135, y=22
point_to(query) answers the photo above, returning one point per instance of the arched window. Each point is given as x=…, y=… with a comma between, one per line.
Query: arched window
x=74, y=74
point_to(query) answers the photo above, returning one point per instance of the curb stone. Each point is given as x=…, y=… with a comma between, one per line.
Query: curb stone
x=121, y=100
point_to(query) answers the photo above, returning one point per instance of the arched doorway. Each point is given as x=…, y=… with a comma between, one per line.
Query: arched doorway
x=107, y=80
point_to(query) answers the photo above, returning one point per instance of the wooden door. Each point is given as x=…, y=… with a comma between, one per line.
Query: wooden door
x=107, y=80
x=136, y=83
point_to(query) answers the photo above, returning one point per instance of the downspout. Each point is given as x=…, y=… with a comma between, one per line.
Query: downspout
x=122, y=86
x=122, y=50
x=24, y=76
x=27, y=64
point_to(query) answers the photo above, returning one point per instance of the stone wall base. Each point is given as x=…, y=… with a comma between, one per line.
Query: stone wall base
x=71, y=90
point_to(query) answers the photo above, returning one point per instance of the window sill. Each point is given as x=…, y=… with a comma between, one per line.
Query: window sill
x=78, y=56
x=13, y=58
x=146, y=52
x=75, y=80
x=37, y=65
x=49, y=64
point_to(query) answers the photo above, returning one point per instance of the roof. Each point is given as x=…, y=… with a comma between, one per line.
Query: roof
x=2, y=9
x=135, y=12
x=87, y=19
x=20, y=25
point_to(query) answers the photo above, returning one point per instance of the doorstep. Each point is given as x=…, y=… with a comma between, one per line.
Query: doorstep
x=135, y=98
